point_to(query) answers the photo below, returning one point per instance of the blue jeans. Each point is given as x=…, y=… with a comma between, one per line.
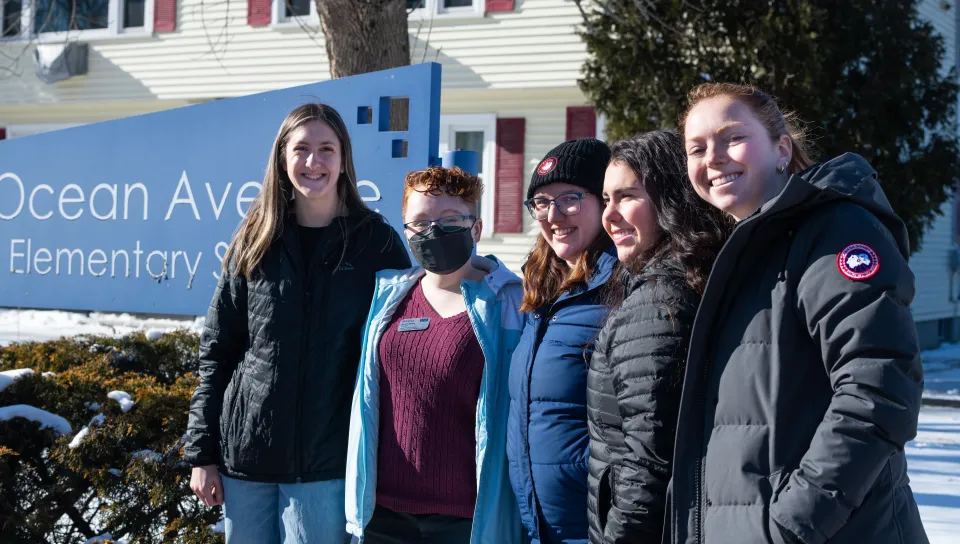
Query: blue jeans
x=260, y=513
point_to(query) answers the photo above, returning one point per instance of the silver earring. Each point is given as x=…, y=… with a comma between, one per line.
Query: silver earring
x=781, y=168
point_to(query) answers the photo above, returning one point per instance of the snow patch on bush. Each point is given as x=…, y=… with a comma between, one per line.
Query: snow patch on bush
x=148, y=455
x=43, y=417
x=122, y=397
x=97, y=420
x=106, y=537
x=79, y=438
x=9, y=376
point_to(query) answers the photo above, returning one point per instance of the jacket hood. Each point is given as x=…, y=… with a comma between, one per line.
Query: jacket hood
x=847, y=177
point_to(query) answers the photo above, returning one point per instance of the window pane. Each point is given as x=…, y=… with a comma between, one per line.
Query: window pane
x=298, y=8
x=11, y=18
x=414, y=4
x=471, y=141
x=457, y=3
x=63, y=15
x=133, y=13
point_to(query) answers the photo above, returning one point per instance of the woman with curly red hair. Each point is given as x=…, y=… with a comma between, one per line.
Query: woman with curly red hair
x=426, y=457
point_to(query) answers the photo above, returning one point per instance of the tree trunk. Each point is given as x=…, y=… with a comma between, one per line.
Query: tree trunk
x=364, y=35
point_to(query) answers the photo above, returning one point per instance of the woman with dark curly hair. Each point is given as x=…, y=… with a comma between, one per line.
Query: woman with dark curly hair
x=666, y=239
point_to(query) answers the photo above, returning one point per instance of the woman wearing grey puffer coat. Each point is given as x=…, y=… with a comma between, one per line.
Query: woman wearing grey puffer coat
x=803, y=380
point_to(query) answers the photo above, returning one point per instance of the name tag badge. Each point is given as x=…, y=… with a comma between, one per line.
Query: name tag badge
x=416, y=324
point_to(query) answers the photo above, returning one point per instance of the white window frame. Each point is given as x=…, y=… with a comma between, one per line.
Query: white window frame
x=433, y=9
x=601, y=127
x=278, y=19
x=487, y=123
x=114, y=26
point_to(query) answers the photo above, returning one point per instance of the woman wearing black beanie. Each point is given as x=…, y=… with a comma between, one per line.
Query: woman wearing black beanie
x=547, y=437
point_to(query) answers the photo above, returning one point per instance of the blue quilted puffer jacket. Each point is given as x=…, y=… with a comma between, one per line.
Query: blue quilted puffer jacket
x=547, y=437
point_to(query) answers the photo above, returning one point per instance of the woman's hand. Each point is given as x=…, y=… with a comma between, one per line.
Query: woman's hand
x=206, y=484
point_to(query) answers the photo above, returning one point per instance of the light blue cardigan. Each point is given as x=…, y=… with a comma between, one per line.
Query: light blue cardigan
x=492, y=305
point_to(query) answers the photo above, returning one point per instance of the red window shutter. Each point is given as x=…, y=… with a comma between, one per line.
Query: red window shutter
x=164, y=15
x=581, y=122
x=258, y=12
x=3, y=134
x=508, y=209
x=499, y=5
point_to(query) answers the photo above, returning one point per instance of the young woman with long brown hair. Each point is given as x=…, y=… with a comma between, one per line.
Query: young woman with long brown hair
x=547, y=437
x=267, y=433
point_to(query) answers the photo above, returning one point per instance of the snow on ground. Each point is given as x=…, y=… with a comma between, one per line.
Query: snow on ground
x=9, y=376
x=941, y=369
x=42, y=325
x=122, y=397
x=933, y=462
x=43, y=417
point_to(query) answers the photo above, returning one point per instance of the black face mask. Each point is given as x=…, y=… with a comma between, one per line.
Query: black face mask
x=442, y=252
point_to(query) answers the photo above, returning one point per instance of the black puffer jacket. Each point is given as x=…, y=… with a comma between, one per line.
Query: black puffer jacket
x=803, y=380
x=279, y=355
x=633, y=395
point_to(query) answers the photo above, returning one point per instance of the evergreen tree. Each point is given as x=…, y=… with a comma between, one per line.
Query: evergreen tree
x=868, y=77
x=119, y=468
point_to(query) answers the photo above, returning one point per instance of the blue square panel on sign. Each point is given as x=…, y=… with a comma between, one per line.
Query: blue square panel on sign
x=394, y=114
x=399, y=149
x=364, y=115
x=115, y=235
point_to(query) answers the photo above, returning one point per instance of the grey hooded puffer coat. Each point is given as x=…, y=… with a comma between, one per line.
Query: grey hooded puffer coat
x=803, y=381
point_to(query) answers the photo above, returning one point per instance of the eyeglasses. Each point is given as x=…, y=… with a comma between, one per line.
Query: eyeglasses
x=566, y=203
x=449, y=223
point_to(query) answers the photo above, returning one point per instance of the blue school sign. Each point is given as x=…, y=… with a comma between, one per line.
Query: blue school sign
x=135, y=214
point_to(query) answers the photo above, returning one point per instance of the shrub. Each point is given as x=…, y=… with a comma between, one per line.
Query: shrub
x=126, y=476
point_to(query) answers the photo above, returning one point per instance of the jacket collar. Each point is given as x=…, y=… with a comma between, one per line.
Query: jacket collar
x=604, y=269
x=498, y=275
x=847, y=177
x=602, y=272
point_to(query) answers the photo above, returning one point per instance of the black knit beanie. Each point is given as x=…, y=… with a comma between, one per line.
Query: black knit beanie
x=580, y=162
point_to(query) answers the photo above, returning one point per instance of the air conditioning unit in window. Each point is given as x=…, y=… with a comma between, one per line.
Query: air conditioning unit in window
x=60, y=61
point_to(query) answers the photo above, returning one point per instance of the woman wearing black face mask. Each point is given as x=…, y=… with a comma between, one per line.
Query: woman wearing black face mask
x=426, y=458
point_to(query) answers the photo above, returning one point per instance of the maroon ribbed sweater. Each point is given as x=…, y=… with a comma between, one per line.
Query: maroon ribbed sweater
x=429, y=386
